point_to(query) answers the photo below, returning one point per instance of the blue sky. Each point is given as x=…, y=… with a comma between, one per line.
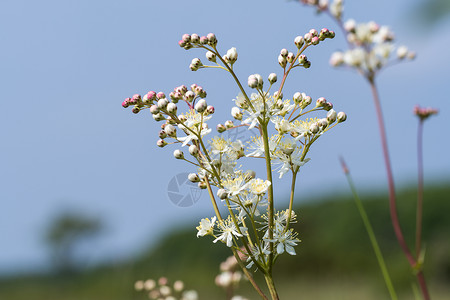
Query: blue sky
x=66, y=66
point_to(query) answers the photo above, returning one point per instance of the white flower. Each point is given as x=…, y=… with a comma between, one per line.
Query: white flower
x=258, y=186
x=286, y=242
x=235, y=185
x=206, y=226
x=228, y=231
x=257, y=145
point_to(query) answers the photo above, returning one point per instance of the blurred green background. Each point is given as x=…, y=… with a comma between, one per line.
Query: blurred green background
x=334, y=260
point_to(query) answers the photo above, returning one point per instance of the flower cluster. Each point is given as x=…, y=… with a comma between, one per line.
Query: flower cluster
x=251, y=227
x=371, y=46
x=424, y=112
x=161, y=290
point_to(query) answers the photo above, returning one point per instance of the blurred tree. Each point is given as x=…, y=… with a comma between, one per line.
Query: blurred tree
x=430, y=12
x=67, y=231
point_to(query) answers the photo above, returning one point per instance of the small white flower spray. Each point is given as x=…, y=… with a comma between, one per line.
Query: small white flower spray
x=371, y=48
x=251, y=228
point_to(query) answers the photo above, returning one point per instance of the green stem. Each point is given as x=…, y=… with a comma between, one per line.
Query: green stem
x=369, y=229
x=265, y=136
x=271, y=286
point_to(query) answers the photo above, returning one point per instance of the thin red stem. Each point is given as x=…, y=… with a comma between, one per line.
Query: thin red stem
x=392, y=198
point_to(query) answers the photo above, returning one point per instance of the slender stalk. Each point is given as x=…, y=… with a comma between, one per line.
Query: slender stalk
x=265, y=135
x=369, y=229
x=249, y=276
x=419, y=209
x=392, y=198
x=291, y=199
x=271, y=286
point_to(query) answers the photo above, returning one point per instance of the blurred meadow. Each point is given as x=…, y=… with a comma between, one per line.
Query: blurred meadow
x=86, y=204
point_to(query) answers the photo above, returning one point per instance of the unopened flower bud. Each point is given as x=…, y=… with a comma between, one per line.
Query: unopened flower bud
x=162, y=103
x=193, y=177
x=315, y=40
x=322, y=123
x=178, y=154
x=211, y=56
x=321, y=102
x=341, y=117
x=252, y=81
x=203, y=40
x=337, y=59
x=411, y=55
x=297, y=98
x=229, y=124
x=299, y=41
x=302, y=58
x=306, y=101
x=212, y=40
x=282, y=61
x=331, y=116
x=154, y=109
x=126, y=103
x=135, y=110
x=314, y=128
x=178, y=286
x=210, y=109
x=260, y=80
x=196, y=62
x=222, y=194
x=327, y=106
x=402, y=51
x=313, y=32
x=290, y=57
x=193, y=150
x=201, y=105
x=308, y=37
x=221, y=128
x=202, y=185
x=307, y=64
x=186, y=38
x=195, y=38
x=158, y=117
x=236, y=113
x=160, y=95
x=172, y=108
x=272, y=78
x=278, y=95
x=284, y=52
x=350, y=25
x=170, y=130
x=232, y=55
x=162, y=134
x=161, y=143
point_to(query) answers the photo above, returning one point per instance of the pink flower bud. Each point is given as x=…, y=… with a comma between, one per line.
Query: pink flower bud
x=160, y=95
x=186, y=38
x=210, y=109
x=154, y=109
x=252, y=81
x=212, y=40
x=126, y=102
x=321, y=102
x=203, y=40
x=315, y=40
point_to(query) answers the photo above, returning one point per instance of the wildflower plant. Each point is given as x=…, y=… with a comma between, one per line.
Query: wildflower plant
x=371, y=48
x=256, y=233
